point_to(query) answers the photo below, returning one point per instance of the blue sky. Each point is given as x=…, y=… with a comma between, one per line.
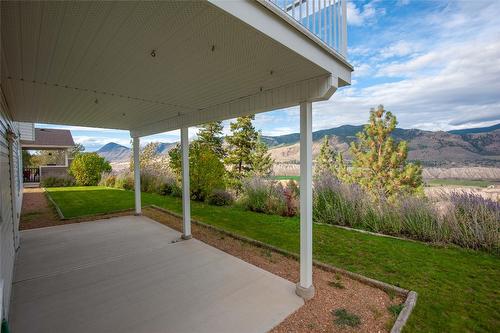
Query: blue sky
x=435, y=64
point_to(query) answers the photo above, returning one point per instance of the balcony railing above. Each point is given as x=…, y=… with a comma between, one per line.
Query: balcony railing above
x=326, y=19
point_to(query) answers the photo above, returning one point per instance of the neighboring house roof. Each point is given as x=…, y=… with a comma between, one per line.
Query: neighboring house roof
x=47, y=138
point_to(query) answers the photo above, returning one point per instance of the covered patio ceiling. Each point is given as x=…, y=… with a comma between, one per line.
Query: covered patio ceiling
x=151, y=67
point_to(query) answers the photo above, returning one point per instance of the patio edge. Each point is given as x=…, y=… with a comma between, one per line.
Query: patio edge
x=58, y=210
x=410, y=295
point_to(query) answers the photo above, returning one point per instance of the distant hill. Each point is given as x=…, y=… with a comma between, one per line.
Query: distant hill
x=476, y=130
x=469, y=147
x=113, y=152
x=164, y=147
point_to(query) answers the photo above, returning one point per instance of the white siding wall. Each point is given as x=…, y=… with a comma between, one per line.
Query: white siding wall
x=26, y=131
x=10, y=161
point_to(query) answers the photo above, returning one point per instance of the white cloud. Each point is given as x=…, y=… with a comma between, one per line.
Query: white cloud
x=367, y=14
x=466, y=86
x=448, y=76
x=399, y=49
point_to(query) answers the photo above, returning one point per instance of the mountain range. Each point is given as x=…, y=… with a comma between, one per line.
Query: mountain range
x=466, y=147
x=114, y=152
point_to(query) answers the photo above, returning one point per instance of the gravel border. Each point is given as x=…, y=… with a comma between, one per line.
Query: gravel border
x=58, y=210
x=411, y=296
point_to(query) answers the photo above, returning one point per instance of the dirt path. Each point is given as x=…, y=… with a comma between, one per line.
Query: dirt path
x=37, y=212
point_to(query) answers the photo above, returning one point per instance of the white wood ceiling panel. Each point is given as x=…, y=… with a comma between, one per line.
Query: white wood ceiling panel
x=90, y=63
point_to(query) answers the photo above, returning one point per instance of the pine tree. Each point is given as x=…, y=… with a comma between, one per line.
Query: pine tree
x=379, y=164
x=210, y=134
x=330, y=162
x=241, y=145
x=325, y=160
x=262, y=163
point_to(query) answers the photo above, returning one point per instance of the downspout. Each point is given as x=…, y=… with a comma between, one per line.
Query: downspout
x=11, y=137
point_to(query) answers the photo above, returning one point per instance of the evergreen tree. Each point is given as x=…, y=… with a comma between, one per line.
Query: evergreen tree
x=262, y=163
x=326, y=158
x=330, y=162
x=379, y=164
x=210, y=134
x=241, y=145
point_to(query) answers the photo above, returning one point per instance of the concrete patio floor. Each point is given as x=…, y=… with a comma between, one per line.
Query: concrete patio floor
x=125, y=275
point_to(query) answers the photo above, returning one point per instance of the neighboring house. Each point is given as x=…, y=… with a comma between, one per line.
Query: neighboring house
x=152, y=67
x=46, y=139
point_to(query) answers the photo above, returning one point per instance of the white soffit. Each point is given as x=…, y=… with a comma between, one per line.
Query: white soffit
x=91, y=64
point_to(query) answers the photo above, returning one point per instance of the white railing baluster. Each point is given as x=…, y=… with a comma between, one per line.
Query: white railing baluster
x=314, y=17
x=325, y=22
x=307, y=14
x=326, y=19
x=334, y=10
x=344, y=29
x=300, y=11
x=330, y=23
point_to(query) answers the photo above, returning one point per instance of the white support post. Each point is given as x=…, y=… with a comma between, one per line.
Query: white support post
x=186, y=192
x=305, y=288
x=66, y=163
x=137, y=176
x=344, y=28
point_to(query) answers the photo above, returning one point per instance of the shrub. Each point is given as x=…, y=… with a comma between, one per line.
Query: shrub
x=167, y=187
x=125, y=181
x=57, y=181
x=265, y=196
x=220, y=197
x=176, y=190
x=474, y=221
x=108, y=179
x=470, y=221
x=87, y=168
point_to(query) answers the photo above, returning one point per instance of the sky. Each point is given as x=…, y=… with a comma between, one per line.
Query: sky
x=434, y=63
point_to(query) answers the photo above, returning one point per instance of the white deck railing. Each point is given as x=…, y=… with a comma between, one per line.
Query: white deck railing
x=327, y=19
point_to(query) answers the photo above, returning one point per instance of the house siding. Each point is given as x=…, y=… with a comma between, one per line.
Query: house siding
x=27, y=131
x=10, y=203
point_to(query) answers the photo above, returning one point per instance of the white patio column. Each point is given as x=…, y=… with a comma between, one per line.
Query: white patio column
x=66, y=163
x=137, y=176
x=186, y=192
x=305, y=288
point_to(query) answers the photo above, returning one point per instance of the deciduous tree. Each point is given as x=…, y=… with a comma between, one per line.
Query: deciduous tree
x=206, y=171
x=87, y=168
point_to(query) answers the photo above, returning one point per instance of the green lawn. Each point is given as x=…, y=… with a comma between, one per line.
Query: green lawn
x=459, y=182
x=296, y=178
x=458, y=289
